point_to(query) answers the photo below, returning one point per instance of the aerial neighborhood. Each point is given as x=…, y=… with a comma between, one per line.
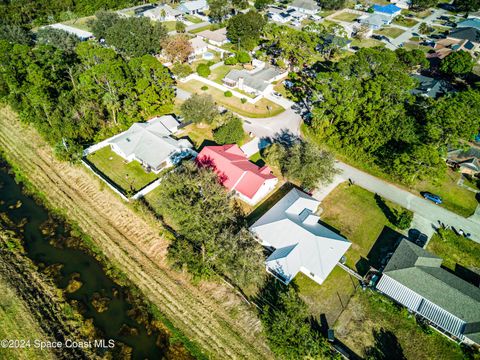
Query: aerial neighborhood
x=294, y=179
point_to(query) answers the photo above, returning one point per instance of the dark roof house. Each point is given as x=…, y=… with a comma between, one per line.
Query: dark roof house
x=414, y=278
x=466, y=33
x=431, y=87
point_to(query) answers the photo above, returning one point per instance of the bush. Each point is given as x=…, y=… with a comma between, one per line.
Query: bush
x=228, y=93
x=232, y=60
x=230, y=132
x=403, y=219
x=204, y=88
x=203, y=70
x=199, y=109
x=243, y=57
x=181, y=70
x=180, y=27
x=243, y=100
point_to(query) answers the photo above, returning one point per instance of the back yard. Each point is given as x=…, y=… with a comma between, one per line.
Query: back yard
x=130, y=177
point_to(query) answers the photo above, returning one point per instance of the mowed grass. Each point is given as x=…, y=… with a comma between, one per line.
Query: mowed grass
x=455, y=198
x=353, y=212
x=407, y=22
x=169, y=25
x=262, y=108
x=372, y=320
x=16, y=322
x=367, y=43
x=81, y=23
x=390, y=32
x=129, y=176
x=455, y=249
x=345, y=16
x=220, y=72
x=197, y=133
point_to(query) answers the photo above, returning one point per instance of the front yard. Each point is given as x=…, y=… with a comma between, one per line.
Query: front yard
x=406, y=22
x=345, y=16
x=262, y=108
x=390, y=32
x=130, y=177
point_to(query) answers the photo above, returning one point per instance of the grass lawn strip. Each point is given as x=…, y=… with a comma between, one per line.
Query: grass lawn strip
x=390, y=32
x=406, y=22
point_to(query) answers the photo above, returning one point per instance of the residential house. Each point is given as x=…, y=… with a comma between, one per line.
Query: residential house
x=163, y=13
x=414, y=278
x=403, y=4
x=249, y=182
x=299, y=243
x=193, y=7
x=467, y=161
x=307, y=7
x=374, y=21
x=472, y=22
x=470, y=35
x=257, y=81
x=151, y=144
x=199, y=47
x=444, y=47
x=83, y=35
x=431, y=87
x=390, y=10
x=216, y=37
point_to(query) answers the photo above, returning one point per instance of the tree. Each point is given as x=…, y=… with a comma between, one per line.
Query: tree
x=180, y=27
x=413, y=58
x=203, y=70
x=177, y=48
x=58, y=38
x=302, y=162
x=285, y=318
x=243, y=57
x=424, y=29
x=457, y=63
x=15, y=34
x=332, y=4
x=231, y=60
x=199, y=109
x=231, y=132
x=262, y=4
x=467, y=5
x=424, y=4
x=219, y=9
x=181, y=70
x=245, y=29
x=103, y=21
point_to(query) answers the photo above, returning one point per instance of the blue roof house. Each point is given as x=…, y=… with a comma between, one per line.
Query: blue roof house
x=389, y=10
x=474, y=23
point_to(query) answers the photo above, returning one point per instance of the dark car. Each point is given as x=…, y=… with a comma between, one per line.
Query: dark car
x=432, y=197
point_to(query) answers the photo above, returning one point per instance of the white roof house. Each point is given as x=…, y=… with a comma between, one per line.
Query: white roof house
x=162, y=13
x=150, y=143
x=374, y=21
x=216, y=37
x=300, y=242
x=81, y=34
x=193, y=7
x=309, y=7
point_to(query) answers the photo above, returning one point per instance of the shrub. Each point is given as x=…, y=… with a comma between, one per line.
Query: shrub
x=181, y=70
x=230, y=132
x=243, y=100
x=243, y=57
x=204, y=88
x=232, y=60
x=403, y=219
x=180, y=27
x=203, y=70
x=228, y=93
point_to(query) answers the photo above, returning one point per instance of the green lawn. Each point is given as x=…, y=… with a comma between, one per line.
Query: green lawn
x=128, y=176
x=203, y=28
x=372, y=323
x=325, y=13
x=80, y=23
x=193, y=19
x=219, y=73
x=197, y=133
x=390, y=32
x=410, y=45
x=455, y=249
x=418, y=14
x=367, y=43
x=261, y=109
x=407, y=22
x=345, y=16
x=169, y=25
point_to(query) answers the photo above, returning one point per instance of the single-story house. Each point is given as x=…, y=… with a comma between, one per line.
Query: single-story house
x=414, y=278
x=83, y=35
x=431, y=87
x=249, y=182
x=389, y=10
x=163, y=13
x=403, y=4
x=193, y=7
x=299, y=242
x=472, y=22
x=199, y=47
x=445, y=47
x=151, y=144
x=308, y=7
x=216, y=37
x=468, y=161
x=256, y=82
x=470, y=34
x=374, y=21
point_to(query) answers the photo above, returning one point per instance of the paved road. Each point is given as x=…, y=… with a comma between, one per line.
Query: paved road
x=425, y=208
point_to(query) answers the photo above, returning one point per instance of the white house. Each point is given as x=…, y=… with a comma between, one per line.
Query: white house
x=199, y=47
x=81, y=34
x=308, y=7
x=193, y=7
x=151, y=145
x=299, y=242
x=217, y=37
x=163, y=13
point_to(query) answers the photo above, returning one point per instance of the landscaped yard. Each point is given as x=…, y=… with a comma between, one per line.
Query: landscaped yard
x=455, y=249
x=169, y=25
x=219, y=73
x=375, y=328
x=410, y=45
x=367, y=43
x=418, y=14
x=128, y=176
x=407, y=22
x=345, y=16
x=203, y=28
x=197, y=133
x=262, y=108
x=192, y=19
x=390, y=32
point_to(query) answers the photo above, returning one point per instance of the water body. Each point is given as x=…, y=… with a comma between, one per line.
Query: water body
x=111, y=322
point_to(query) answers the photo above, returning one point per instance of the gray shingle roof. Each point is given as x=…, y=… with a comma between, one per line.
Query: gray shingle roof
x=430, y=86
x=258, y=80
x=305, y=4
x=467, y=33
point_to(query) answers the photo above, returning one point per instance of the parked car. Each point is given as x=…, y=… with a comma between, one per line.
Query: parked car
x=276, y=94
x=432, y=197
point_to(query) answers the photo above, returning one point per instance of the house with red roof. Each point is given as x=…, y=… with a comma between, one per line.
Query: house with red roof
x=250, y=182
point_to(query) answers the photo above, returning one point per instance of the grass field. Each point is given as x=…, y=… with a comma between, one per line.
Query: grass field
x=129, y=176
x=367, y=43
x=372, y=324
x=193, y=19
x=455, y=249
x=18, y=323
x=219, y=73
x=262, y=108
x=345, y=16
x=390, y=32
x=407, y=22
x=197, y=133
x=169, y=25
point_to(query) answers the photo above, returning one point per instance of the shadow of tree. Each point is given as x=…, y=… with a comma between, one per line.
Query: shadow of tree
x=385, y=209
x=386, y=347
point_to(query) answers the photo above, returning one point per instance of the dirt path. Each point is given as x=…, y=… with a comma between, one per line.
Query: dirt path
x=210, y=314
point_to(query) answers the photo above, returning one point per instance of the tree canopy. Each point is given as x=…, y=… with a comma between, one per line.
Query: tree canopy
x=457, y=63
x=231, y=132
x=199, y=108
x=467, y=5
x=245, y=29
